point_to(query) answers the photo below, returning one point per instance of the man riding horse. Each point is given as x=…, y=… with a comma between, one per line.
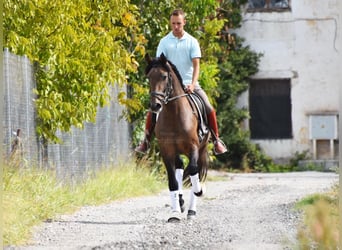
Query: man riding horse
x=184, y=52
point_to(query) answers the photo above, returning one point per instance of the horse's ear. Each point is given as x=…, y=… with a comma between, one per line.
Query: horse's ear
x=163, y=58
x=148, y=59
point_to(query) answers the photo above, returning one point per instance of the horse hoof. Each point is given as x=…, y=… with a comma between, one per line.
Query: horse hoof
x=201, y=193
x=173, y=220
x=182, y=209
x=191, y=215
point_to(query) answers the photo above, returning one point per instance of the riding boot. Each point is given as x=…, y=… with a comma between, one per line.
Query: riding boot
x=219, y=147
x=149, y=127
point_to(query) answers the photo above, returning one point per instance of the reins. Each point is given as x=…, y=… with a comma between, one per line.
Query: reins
x=176, y=97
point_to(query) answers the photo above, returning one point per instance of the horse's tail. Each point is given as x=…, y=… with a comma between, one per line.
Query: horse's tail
x=202, y=163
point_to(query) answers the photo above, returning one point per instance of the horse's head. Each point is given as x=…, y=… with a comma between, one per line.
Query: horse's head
x=158, y=72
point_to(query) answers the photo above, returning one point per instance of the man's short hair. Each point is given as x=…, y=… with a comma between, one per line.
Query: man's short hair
x=178, y=12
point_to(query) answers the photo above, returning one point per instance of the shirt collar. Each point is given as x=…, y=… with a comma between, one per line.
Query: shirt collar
x=174, y=37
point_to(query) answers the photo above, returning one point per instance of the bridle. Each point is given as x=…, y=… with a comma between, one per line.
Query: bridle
x=165, y=96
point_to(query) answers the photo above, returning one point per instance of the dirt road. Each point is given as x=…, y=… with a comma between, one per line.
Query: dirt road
x=244, y=211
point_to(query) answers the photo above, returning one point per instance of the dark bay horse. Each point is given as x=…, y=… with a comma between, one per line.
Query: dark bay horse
x=176, y=133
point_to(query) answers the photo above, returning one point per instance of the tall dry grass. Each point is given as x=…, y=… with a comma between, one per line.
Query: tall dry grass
x=320, y=228
x=31, y=196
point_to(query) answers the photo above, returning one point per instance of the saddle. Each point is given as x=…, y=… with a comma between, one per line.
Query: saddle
x=198, y=106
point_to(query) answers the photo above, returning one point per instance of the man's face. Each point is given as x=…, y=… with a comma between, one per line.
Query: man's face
x=177, y=25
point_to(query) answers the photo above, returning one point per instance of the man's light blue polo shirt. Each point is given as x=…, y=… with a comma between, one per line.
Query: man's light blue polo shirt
x=180, y=52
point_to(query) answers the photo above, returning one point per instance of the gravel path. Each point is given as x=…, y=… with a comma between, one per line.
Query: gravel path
x=244, y=211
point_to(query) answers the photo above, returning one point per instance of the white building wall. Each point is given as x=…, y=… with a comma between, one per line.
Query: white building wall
x=303, y=44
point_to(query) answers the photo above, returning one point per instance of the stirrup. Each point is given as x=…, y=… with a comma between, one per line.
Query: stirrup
x=222, y=143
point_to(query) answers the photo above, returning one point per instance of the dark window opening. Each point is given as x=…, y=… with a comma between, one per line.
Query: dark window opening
x=262, y=5
x=270, y=109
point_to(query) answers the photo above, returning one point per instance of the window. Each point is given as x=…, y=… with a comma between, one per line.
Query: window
x=268, y=4
x=270, y=109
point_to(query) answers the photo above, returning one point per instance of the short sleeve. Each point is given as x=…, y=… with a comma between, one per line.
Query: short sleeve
x=195, y=49
x=161, y=48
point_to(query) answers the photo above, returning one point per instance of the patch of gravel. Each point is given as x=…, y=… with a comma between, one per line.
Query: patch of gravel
x=243, y=211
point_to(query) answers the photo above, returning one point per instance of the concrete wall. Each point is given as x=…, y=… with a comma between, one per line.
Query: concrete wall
x=304, y=44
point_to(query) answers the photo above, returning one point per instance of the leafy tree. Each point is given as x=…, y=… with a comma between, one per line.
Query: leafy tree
x=80, y=48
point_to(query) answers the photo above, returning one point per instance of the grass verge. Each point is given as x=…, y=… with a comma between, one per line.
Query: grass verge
x=31, y=196
x=320, y=228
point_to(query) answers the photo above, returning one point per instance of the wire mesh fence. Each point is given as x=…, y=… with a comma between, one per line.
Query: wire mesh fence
x=99, y=144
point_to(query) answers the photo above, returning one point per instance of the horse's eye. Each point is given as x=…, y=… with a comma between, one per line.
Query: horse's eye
x=164, y=77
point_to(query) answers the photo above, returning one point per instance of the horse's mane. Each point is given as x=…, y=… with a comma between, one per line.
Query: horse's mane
x=157, y=62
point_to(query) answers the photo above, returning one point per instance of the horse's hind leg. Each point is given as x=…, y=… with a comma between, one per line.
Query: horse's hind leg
x=192, y=206
x=179, y=177
x=196, y=189
x=194, y=175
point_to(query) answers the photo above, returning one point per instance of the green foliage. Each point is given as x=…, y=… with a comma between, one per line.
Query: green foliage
x=315, y=198
x=209, y=79
x=79, y=48
x=299, y=156
x=31, y=196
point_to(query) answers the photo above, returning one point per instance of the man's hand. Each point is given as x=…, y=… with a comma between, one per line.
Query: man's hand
x=190, y=88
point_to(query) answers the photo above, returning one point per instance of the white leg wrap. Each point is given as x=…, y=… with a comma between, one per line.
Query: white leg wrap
x=193, y=201
x=175, y=201
x=179, y=178
x=195, y=183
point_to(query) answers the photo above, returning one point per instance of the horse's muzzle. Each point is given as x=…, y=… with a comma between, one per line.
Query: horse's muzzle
x=155, y=107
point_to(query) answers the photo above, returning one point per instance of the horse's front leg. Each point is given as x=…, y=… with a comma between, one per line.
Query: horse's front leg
x=194, y=175
x=174, y=192
x=179, y=177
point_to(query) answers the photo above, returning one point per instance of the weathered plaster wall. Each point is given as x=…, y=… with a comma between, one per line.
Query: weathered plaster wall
x=303, y=44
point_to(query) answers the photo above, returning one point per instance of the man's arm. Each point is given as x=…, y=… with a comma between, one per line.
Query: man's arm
x=195, y=74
